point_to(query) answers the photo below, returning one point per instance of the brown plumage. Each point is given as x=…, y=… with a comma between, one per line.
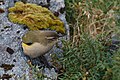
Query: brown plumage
x=37, y=43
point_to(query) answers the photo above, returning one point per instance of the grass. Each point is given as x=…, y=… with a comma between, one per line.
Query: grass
x=88, y=56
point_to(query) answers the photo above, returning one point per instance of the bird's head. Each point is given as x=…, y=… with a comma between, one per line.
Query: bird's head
x=43, y=37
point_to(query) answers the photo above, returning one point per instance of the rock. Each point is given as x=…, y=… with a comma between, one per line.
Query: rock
x=13, y=63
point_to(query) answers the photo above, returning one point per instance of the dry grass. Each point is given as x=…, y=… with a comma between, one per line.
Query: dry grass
x=94, y=21
x=87, y=56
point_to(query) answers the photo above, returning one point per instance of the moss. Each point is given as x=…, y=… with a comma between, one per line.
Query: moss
x=35, y=17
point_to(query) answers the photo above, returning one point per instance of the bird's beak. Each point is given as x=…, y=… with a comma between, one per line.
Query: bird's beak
x=24, y=45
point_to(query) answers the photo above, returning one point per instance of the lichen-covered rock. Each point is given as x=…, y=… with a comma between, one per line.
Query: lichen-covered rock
x=35, y=17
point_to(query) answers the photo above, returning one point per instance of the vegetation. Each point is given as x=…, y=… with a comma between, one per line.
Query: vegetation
x=35, y=17
x=91, y=54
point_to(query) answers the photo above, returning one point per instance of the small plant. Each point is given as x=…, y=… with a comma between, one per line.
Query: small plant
x=116, y=66
x=36, y=72
x=89, y=60
x=87, y=56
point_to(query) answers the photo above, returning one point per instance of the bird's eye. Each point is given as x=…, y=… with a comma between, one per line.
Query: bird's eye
x=29, y=43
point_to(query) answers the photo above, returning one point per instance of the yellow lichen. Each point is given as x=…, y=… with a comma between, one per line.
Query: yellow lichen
x=35, y=17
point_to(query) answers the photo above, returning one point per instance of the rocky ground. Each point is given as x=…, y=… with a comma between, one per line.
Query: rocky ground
x=13, y=62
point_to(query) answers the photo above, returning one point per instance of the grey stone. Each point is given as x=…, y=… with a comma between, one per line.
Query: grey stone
x=10, y=36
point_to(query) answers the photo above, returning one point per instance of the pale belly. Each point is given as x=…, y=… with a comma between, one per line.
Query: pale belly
x=36, y=50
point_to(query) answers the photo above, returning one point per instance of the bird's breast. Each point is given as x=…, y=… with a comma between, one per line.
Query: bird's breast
x=35, y=49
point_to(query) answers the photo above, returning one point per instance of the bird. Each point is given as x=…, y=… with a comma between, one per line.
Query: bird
x=37, y=43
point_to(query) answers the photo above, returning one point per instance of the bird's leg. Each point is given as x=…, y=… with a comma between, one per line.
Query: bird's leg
x=29, y=60
x=44, y=61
